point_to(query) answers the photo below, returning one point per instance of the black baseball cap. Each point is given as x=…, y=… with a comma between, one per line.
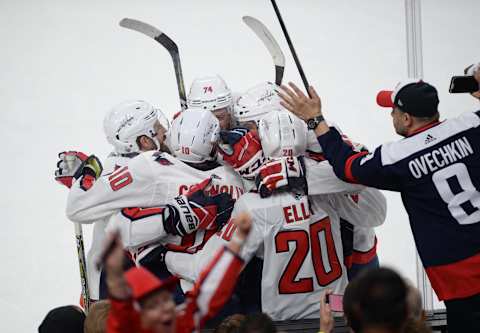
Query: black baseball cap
x=412, y=96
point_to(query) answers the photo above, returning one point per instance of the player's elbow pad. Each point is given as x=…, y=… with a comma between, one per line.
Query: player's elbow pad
x=77, y=215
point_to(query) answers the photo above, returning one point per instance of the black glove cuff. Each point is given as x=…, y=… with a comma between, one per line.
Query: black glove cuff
x=171, y=221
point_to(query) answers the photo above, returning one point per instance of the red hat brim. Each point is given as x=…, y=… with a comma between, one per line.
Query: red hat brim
x=143, y=282
x=384, y=99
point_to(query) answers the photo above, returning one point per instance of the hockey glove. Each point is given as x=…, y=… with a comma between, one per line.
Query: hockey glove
x=68, y=165
x=241, y=149
x=187, y=213
x=73, y=165
x=287, y=173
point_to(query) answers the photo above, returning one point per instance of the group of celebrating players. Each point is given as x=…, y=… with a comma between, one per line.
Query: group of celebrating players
x=172, y=190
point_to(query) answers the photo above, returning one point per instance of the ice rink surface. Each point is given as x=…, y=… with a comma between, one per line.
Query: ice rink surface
x=64, y=63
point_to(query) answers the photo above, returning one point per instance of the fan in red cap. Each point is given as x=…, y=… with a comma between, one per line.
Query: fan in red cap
x=142, y=303
x=143, y=283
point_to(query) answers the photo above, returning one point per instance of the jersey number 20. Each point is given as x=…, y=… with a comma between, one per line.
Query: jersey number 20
x=325, y=272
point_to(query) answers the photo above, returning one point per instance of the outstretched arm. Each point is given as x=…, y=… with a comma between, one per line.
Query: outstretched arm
x=217, y=281
x=354, y=167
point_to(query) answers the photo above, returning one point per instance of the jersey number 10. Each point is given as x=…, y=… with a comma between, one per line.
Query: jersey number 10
x=120, y=178
x=306, y=241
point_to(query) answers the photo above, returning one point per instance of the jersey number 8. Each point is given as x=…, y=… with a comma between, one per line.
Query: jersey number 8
x=457, y=190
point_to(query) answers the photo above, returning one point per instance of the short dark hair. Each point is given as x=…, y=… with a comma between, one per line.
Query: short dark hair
x=68, y=318
x=377, y=297
x=258, y=323
x=231, y=324
x=96, y=321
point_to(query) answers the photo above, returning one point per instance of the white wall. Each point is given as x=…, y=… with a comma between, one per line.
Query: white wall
x=63, y=63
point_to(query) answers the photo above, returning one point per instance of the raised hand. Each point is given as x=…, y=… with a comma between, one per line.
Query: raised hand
x=294, y=100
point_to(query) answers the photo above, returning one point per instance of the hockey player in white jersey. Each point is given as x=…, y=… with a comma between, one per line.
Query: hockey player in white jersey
x=152, y=179
x=212, y=93
x=143, y=229
x=131, y=127
x=297, y=235
x=359, y=243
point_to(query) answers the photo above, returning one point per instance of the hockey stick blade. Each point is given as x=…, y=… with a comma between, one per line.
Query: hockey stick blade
x=270, y=42
x=167, y=43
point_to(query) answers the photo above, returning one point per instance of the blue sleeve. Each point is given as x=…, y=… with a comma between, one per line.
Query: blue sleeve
x=356, y=269
x=353, y=167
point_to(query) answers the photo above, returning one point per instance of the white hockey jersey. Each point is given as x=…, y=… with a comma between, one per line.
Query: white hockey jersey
x=148, y=180
x=300, y=242
x=321, y=179
x=112, y=162
x=142, y=227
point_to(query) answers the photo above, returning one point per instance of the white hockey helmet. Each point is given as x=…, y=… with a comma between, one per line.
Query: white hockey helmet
x=282, y=134
x=209, y=93
x=256, y=102
x=193, y=136
x=124, y=123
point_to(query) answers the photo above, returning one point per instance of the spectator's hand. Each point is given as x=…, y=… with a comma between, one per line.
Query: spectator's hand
x=294, y=100
x=326, y=317
x=475, y=71
x=243, y=222
x=112, y=256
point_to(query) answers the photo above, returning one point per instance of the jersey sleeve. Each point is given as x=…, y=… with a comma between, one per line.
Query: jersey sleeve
x=184, y=265
x=211, y=291
x=358, y=167
x=322, y=180
x=367, y=209
x=256, y=235
x=130, y=186
x=139, y=226
x=189, y=266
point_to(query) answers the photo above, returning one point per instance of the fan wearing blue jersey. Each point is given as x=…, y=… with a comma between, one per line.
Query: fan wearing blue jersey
x=436, y=168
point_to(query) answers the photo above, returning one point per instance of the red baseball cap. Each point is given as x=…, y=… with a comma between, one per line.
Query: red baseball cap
x=143, y=282
x=412, y=96
x=386, y=98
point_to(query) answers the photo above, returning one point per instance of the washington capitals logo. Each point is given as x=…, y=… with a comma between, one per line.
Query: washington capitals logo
x=159, y=158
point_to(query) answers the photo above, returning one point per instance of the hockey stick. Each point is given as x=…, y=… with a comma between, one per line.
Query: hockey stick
x=290, y=45
x=83, y=266
x=269, y=41
x=167, y=43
